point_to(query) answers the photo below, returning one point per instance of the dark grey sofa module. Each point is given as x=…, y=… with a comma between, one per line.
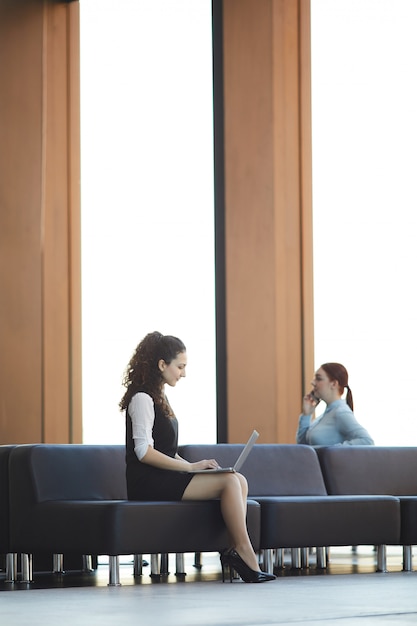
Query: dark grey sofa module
x=72, y=499
x=296, y=509
x=370, y=470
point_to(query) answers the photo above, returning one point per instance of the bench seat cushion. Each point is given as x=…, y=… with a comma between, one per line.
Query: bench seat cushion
x=375, y=470
x=297, y=521
x=72, y=498
x=127, y=527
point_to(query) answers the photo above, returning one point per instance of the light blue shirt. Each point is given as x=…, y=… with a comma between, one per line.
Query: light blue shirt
x=336, y=426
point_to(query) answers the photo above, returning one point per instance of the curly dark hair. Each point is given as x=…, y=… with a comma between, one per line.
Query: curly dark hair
x=142, y=372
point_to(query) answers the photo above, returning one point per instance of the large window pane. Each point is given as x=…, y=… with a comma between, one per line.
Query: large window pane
x=147, y=202
x=364, y=56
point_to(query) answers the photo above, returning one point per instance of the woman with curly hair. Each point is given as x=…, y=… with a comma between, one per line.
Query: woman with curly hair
x=155, y=471
x=337, y=425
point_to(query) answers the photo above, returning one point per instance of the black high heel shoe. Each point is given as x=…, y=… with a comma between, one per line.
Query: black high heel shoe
x=226, y=568
x=235, y=562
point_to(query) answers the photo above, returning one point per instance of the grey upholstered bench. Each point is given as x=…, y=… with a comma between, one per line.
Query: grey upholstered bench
x=72, y=499
x=296, y=509
x=376, y=470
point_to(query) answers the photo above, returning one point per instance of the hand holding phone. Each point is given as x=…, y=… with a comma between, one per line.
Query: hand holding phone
x=314, y=398
x=310, y=401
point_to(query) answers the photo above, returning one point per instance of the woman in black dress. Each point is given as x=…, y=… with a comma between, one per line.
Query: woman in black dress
x=155, y=471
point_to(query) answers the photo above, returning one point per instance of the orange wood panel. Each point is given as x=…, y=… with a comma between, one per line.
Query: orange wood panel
x=248, y=217
x=20, y=251
x=287, y=210
x=267, y=216
x=55, y=227
x=39, y=223
x=74, y=199
x=61, y=244
x=306, y=194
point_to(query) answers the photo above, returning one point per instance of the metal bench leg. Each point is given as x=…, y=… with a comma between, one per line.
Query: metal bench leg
x=11, y=567
x=179, y=564
x=407, y=558
x=268, y=564
x=27, y=569
x=381, y=558
x=154, y=565
x=164, y=565
x=279, y=558
x=87, y=563
x=114, y=571
x=295, y=558
x=305, y=560
x=58, y=563
x=197, y=560
x=137, y=565
x=321, y=561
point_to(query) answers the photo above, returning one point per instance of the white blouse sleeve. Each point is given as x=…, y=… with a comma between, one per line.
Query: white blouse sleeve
x=142, y=413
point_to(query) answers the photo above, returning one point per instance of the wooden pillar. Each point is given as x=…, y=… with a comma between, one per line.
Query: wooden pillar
x=268, y=225
x=40, y=316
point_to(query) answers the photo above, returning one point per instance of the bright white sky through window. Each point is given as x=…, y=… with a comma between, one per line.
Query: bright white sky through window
x=364, y=59
x=147, y=203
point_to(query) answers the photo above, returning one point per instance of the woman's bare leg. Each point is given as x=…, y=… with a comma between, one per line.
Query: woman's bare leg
x=232, y=490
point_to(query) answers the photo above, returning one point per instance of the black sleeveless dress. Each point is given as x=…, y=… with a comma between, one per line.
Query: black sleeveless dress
x=146, y=482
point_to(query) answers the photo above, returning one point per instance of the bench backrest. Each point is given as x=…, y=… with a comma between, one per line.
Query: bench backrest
x=40, y=472
x=271, y=469
x=369, y=470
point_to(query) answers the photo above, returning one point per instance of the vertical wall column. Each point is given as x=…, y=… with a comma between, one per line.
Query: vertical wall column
x=267, y=206
x=40, y=313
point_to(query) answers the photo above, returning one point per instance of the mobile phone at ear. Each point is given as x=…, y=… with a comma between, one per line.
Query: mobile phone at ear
x=314, y=398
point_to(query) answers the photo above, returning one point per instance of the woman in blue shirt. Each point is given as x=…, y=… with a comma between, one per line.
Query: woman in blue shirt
x=337, y=425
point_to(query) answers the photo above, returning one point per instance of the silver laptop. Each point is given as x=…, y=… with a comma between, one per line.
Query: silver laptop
x=240, y=461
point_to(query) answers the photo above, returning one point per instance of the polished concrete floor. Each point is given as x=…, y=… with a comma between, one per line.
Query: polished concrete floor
x=348, y=593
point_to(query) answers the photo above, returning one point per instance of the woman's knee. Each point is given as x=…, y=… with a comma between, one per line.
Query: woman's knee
x=243, y=484
x=237, y=481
